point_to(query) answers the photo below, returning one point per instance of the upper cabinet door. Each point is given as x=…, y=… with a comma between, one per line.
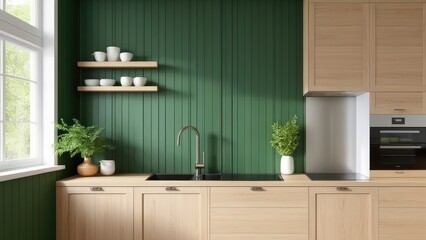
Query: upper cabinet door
x=338, y=47
x=397, y=47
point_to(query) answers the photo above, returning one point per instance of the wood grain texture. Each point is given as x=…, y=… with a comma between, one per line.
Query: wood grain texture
x=132, y=64
x=258, y=220
x=117, y=89
x=85, y=214
x=402, y=220
x=400, y=197
x=171, y=215
x=270, y=197
x=404, y=236
x=351, y=214
x=229, y=68
x=397, y=102
x=338, y=48
x=259, y=236
x=398, y=174
x=397, y=47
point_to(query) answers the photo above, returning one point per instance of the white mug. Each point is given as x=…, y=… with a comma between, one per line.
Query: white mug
x=99, y=56
x=113, y=53
x=126, y=56
x=139, y=81
x=126, y=81
x=107, y=167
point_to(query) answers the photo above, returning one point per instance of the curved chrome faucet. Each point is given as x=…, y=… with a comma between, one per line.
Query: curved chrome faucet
x=198, y=165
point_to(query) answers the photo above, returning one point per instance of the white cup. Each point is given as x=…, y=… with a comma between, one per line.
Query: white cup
x=126, y=56
x=139, y=81
x=113, y=53
x=107, y=167
x=99, y=56
x=126, y=81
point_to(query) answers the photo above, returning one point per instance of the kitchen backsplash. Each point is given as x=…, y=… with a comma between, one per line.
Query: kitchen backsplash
x=229, y=68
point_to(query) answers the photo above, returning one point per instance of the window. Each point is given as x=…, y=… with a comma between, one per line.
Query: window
x=25, y=10
x=19, y=118
x=27, y=85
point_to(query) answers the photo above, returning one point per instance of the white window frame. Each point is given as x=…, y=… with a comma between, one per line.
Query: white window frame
x=43, y=37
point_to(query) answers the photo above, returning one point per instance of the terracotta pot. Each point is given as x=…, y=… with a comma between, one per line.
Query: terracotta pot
x=87, y=168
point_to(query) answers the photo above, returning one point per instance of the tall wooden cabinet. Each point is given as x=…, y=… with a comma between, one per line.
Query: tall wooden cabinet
x=171, y=213
x=87, y=213
x=337, y=213
x=336, y=47
x=398, y=53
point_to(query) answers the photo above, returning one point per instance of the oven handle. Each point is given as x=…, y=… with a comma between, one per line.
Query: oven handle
x=400, y=147
x=399, y=131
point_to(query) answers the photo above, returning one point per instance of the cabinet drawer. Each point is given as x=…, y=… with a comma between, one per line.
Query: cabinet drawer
x=402, y=197
x=402, y=221
x=397, y=102
x=259, y=236
x=265, y=197
x=259, y=220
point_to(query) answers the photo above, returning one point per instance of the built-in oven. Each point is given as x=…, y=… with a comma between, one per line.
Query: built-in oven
x=398, y=142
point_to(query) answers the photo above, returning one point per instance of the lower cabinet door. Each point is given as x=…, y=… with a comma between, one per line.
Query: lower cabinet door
x=94, y=213
x=343, y=213
x=171, y=213
x=258, y=213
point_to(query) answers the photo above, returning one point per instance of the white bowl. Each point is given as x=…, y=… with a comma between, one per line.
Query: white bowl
x=99, y=56
x=107, y=82
x=126, y=56
x=91, y=82
x=126, y=81
x=139, y=81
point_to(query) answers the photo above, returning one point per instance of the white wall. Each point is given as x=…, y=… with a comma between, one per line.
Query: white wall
x=337, y=134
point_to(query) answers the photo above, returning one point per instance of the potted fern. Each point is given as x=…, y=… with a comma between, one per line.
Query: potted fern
x=285, y=139
x=86, y=141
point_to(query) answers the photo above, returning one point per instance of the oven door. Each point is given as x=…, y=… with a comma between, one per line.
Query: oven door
x=398, y=148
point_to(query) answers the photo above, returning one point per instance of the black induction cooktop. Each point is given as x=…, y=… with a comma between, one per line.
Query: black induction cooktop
x=336, y=176
x=250, y=177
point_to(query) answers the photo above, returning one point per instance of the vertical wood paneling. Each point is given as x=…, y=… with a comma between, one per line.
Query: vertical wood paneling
x=230, y=68
x=27, y=205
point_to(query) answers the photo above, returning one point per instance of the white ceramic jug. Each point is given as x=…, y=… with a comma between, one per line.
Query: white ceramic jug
x=107, y=167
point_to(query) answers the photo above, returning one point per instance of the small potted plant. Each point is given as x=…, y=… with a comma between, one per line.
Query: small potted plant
x=285, y=139
x=86, y=141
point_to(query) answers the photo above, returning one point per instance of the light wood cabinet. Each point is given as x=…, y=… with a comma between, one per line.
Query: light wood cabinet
x=343, y=213
x=398, y=102
x=259, y=213
x=171, y=213
x=397, y=47
x=336, y=47
x=91, y=213
x=402, y=212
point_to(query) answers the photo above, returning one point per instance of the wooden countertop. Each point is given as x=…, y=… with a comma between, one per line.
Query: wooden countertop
x=296, y=180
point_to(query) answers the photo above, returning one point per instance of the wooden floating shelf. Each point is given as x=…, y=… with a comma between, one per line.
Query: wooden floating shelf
x=117, y=89
x=134, y=64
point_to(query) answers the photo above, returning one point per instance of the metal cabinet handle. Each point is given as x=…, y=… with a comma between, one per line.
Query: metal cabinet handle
x=257, y=189
x=399, y=109
x=343, y=189
x=171, y=189
x=96, y=189
x=399, y=172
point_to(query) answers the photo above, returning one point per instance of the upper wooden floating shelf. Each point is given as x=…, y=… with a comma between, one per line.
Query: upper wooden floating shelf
x=134, y=64
x=117, y=89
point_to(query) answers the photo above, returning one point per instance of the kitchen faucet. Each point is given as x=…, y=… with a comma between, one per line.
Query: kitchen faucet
x=198, y=165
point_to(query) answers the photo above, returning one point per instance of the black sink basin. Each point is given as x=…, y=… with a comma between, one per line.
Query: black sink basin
x=183, y=177
x=171, y=177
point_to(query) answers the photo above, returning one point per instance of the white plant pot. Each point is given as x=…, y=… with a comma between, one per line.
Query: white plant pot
x=287, y=165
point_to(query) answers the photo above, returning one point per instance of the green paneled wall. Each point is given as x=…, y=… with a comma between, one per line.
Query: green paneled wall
x=27, y=205
x=231, y=68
